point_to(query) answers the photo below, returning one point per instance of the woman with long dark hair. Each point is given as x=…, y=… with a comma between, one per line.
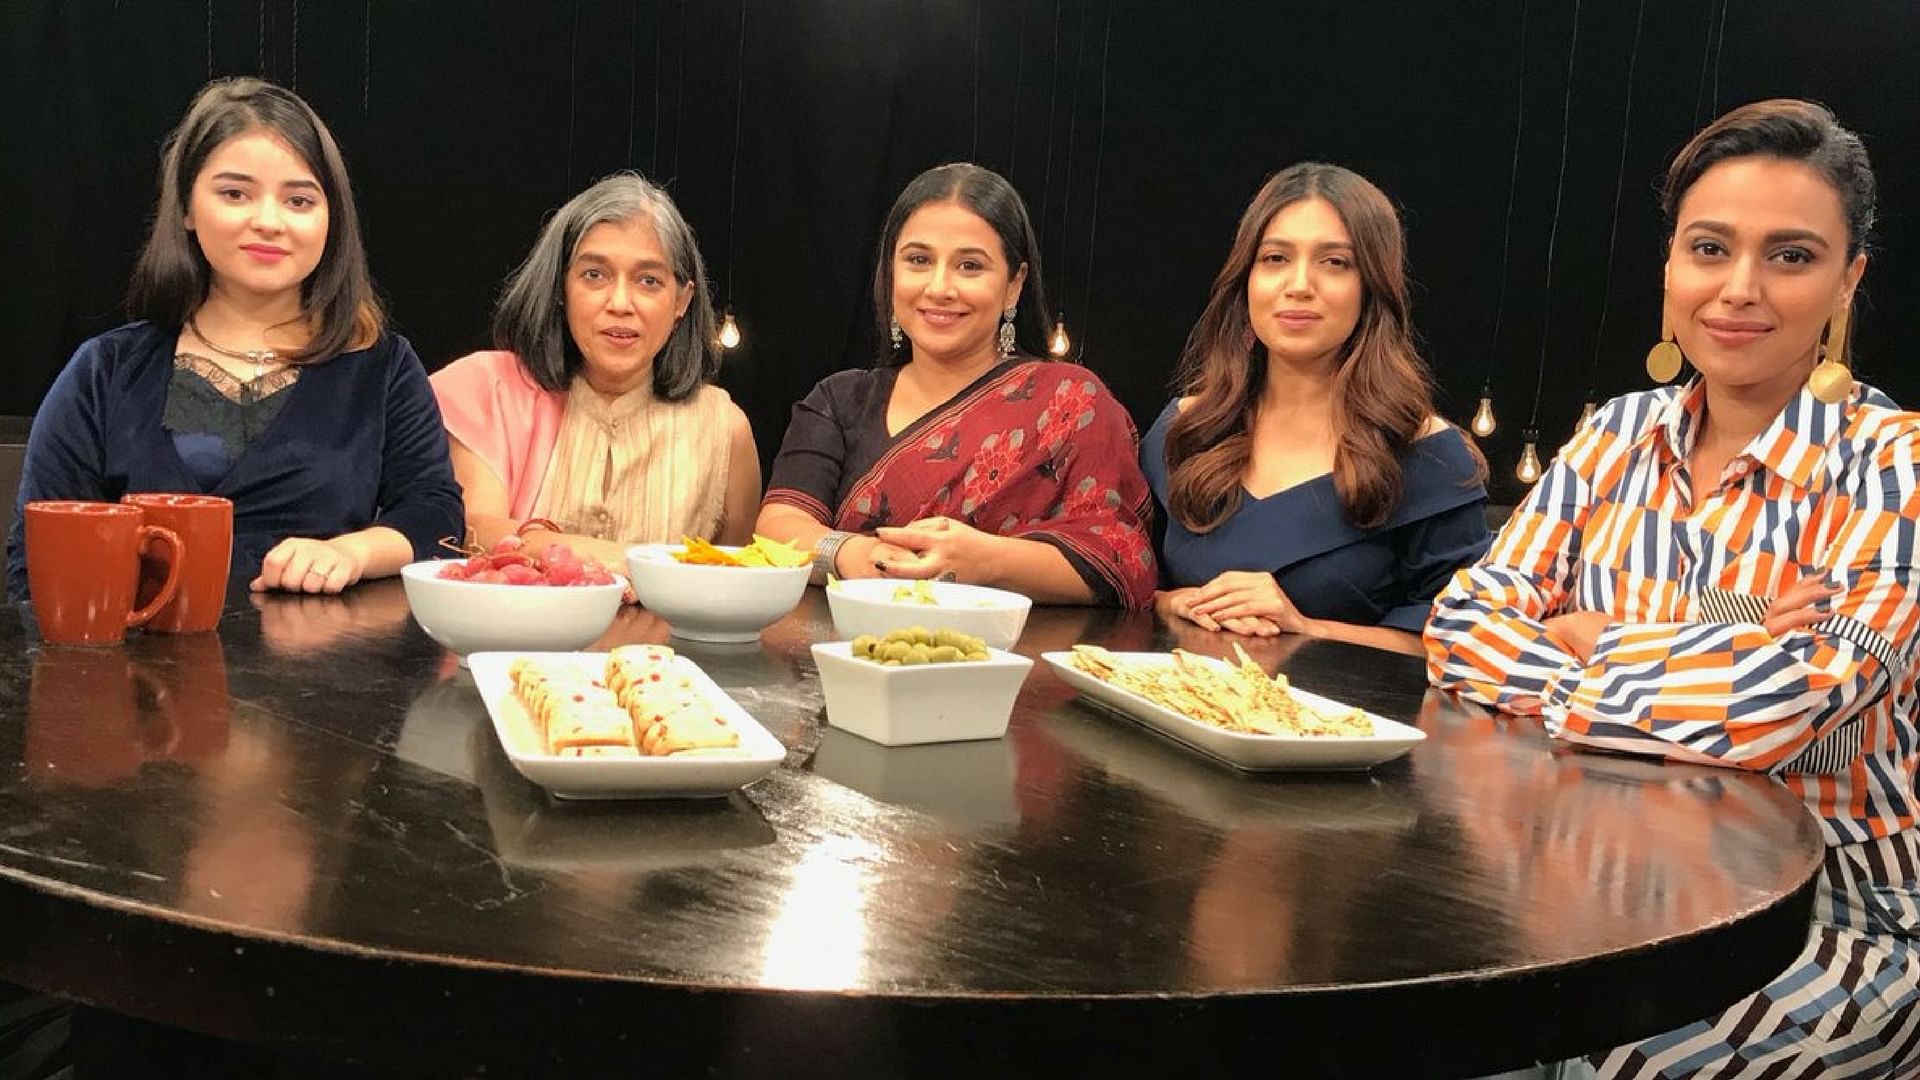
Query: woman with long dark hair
x=1308, y=485
x=1723, y=572
x=261, y=369
x=960, y=456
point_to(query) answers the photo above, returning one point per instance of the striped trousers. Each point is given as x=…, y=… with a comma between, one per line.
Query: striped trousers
x=1847, y=1007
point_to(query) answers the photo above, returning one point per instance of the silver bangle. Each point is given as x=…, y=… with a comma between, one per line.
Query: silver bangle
x=825, y=551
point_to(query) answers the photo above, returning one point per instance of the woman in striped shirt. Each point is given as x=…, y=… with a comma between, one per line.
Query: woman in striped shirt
x=1721, y=572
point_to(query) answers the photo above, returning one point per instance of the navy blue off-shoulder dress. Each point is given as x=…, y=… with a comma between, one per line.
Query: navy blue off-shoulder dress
x=1384, y=576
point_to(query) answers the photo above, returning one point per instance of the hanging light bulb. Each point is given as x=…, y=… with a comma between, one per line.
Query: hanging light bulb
x=1529, y=468
x=1586, y=414
x=729, y=331
x=1483, y=422
x=1058, y=343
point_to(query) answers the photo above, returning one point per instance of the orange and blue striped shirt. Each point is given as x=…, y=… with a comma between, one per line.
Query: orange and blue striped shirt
x=1685, y=670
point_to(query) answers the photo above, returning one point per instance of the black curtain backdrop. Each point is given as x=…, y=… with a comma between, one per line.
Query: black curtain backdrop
x=1137, y=131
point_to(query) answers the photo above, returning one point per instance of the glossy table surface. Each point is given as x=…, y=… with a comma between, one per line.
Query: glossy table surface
x=301, y=831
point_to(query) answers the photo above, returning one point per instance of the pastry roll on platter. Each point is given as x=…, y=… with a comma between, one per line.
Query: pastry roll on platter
x=596, y=752
x=546, y=691
x=694, y=726
x=548, y=702
x=644, y=679
x=649, y=708
x=630, y=666
x=525, y=675
x=639, y=704
x=599, y=723
x=523, y=671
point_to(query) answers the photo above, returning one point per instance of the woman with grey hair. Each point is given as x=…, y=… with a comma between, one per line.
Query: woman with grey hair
x=595, y=422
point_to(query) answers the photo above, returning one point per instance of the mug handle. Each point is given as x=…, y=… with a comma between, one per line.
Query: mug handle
x=177, y=553
x=159, y=734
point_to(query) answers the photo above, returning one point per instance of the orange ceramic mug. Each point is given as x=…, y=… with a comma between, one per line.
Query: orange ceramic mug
x=83, y=565
x=205, y=526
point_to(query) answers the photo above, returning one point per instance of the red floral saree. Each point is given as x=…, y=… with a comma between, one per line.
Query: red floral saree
x=1033, y=449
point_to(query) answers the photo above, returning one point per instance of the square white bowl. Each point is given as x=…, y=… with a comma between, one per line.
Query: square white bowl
x=713, y=603
x=637, y=777
x=470, y=616
x=866, y=606
x=919, y=703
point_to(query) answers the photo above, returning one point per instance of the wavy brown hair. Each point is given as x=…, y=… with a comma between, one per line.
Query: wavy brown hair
x=1382, y=393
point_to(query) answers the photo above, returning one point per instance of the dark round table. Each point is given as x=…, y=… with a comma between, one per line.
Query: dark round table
x=300, y=832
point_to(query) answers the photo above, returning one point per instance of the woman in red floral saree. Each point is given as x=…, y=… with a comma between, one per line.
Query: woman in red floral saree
x=958, y=458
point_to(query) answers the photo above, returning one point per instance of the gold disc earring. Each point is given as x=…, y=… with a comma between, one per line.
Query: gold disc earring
x=1831, y=380
x=1664, y=359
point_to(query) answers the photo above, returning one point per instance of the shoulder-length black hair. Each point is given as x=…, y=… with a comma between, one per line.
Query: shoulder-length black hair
x=530, y=319
x=172, y=276
x=987, y=194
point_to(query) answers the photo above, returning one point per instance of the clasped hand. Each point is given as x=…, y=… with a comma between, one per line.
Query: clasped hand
x=1246, y=602
x=936, y=548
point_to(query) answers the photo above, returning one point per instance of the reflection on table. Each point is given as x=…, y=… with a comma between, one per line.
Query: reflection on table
x=236, y=832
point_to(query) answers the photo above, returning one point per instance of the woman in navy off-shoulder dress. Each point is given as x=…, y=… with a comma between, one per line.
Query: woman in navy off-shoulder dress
x=1306, y=484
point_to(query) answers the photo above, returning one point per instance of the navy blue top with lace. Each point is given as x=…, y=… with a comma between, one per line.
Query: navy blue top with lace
x=357, y=441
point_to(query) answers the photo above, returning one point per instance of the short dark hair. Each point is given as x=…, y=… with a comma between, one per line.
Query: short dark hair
x=1791, y=130
x=530, y=319
x=172, y=276
x=987, y=194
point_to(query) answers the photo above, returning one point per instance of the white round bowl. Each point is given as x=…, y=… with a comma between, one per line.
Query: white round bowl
x=468, y=616
x=867, y=606
x=713, y=603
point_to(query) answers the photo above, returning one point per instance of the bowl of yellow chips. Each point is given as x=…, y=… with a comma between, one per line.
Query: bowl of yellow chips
x=712, y=592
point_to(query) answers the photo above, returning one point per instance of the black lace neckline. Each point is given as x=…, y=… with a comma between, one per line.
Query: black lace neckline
x=214, y=416
x=231, y=386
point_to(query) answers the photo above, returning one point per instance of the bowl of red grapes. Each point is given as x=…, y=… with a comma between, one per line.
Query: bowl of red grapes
x=512, y=597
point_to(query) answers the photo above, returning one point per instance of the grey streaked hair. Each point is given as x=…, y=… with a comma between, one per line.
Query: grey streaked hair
x=530, y=319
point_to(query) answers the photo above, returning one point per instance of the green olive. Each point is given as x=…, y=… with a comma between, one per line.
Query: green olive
x=919, y=645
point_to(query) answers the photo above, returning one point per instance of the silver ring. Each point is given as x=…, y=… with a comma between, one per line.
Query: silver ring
x=948, y=576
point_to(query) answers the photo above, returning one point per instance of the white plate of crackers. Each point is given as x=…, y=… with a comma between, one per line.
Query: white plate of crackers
x=1234, y=712
x=639, y=722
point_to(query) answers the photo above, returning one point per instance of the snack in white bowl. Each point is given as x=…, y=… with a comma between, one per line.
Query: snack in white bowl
x=934, y=694
x=877, y=605
x=467, y=616
x=710, y=602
